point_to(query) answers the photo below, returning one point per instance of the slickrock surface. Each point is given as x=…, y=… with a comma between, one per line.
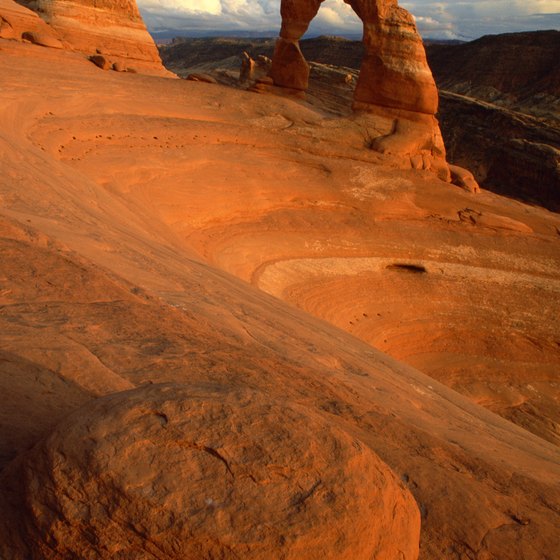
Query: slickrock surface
x=16, y=19
x=175, y=471
x=492, y=364
x=113, y=28
x=522, y=164
x=142, y=218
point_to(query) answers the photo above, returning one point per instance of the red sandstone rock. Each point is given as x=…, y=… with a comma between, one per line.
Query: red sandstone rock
x=252, y=70
x=100, y=61
x=108, y=297
x=114, y=26
x=246, y=72
x=6, y=29
x=15, y=20
x=394, y=77
x=42, y=39
x=198, y=77
x=394, y=71
x=463, y=178
x=179, y=472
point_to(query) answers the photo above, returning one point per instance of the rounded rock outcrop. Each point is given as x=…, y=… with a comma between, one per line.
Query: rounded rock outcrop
x=112, y=27
x=183, y=472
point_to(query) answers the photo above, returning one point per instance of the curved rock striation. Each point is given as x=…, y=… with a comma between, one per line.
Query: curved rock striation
x=16, y=20
x=110, y=27
x=173, y=471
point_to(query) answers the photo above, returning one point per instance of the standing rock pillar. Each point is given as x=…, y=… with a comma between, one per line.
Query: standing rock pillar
x=289, y=67
x=395, y=80
x=395, y=71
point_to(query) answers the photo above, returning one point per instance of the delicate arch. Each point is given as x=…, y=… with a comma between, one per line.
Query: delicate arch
x=394, y=72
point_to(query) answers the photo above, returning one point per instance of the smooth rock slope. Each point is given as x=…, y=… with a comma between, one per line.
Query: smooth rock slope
x=139, y=217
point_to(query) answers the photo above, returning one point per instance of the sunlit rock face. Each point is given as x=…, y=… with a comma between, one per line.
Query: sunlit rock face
x=394, y=73
x=111, y=27
x=395, y=79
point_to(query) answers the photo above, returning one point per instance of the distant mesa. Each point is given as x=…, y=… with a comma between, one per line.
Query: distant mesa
x=173, y=471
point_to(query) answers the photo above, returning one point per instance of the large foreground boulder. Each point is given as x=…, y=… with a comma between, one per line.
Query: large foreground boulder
x=177, y=472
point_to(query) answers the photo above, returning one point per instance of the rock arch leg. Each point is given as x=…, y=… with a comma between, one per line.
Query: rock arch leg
x=394, y=73
x=289, y=67
x=395, y=80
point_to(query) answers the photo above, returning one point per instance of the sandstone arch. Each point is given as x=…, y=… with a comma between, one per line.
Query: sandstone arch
x=394, y=73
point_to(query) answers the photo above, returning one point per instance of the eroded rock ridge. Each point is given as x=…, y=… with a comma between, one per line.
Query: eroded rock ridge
x=113, y=28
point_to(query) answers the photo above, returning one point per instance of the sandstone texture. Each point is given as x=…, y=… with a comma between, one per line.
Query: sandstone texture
x=523, y=164
x=174, y=471
x=463, y=178
x=197, y=77
x=109, y=27
x=43, y=39
x=394, y=71
x=16, y=19
x=394, y=79
x=100, y=61
x=158, y=231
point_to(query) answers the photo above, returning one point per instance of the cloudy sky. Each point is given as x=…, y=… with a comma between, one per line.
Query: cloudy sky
x=456, y=19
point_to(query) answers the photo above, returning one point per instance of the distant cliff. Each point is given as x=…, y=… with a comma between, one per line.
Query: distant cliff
x=520, y=71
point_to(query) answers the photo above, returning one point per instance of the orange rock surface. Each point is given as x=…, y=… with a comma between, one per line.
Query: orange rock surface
x=110, y=27
x=142, y=222
x=394, y=81
x=179, y=471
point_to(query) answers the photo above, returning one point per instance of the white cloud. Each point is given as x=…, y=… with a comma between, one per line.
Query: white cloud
x=453, y=18
x=208, y=7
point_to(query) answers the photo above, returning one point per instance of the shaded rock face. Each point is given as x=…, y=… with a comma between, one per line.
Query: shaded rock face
x=518, y=71
x=523, y=164
x=109, y=27
x=394, y=72
x=175, y=471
